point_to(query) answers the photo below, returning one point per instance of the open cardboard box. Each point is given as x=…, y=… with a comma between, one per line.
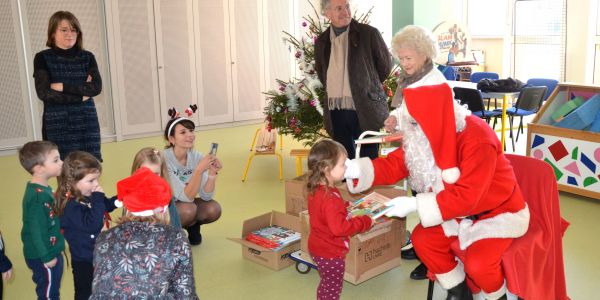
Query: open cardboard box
x=371, y=253
x=296, y=199
x=275, y=260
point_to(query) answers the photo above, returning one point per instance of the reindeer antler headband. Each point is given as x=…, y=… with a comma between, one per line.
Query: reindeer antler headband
x=174, y=114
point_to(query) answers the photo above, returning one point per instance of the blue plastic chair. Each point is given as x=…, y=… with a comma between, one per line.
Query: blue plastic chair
x=529, y=102
x=549, y=83
x=478, y=76
x=449, y=73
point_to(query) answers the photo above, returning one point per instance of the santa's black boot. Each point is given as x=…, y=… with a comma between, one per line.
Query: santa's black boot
x=460, y=292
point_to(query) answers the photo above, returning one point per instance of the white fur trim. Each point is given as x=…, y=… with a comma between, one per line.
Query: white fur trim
x=450, y=228
x=479, y=296
x=428, y=209
x=367, y=175
x=150, y=212
x=452, y=278
x=497, y=294
x=450, y=175
x=504, y=225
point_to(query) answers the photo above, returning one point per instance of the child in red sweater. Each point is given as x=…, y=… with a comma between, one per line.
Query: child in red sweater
x=330, y=224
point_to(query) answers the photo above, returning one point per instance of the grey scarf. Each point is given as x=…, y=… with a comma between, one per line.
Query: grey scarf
x=405, y=80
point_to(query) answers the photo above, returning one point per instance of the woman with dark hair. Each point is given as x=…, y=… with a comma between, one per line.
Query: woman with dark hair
x=191, y=174
x=66, y=79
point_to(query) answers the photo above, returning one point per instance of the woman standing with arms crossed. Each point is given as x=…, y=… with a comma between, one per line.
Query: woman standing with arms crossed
x=66, y=79
x=191, y=174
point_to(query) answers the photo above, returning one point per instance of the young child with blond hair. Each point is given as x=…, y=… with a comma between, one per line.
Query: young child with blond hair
x=154, y=160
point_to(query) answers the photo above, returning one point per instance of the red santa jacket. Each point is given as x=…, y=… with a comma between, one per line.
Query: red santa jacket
x=330, y=225
x=486, y=189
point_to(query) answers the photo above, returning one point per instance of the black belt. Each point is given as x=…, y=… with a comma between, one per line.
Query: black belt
x=477, y=216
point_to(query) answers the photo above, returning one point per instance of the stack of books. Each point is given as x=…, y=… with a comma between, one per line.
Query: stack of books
x=273, y=237
x=372, y=205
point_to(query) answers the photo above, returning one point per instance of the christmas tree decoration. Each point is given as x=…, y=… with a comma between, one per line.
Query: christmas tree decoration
x=296, y=107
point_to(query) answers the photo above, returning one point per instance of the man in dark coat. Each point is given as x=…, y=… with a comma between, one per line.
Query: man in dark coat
x=352, y=61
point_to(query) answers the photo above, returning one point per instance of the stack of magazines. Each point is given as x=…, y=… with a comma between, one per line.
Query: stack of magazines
x=273, y=237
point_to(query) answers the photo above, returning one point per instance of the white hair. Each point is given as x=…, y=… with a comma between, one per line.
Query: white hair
x=417, y=38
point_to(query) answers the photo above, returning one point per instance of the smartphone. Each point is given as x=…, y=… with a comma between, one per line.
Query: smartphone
x=213, y=148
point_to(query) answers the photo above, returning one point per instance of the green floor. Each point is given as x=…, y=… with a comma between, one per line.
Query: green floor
x=221, y=273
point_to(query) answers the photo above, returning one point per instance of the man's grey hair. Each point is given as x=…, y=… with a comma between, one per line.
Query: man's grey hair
x=324, y=5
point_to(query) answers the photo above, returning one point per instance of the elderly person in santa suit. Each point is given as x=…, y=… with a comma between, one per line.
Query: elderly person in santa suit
x=466, y=190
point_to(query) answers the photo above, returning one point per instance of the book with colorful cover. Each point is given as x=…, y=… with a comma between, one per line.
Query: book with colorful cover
x=380, y=139
x=372, y=205
x=273, y=237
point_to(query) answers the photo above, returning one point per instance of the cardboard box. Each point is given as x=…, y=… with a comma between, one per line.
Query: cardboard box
x=296, y=194
x=371, y=253
x=275, y=260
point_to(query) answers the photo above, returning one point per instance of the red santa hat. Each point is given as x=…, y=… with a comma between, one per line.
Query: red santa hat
x=432, y=107
x=143, y=193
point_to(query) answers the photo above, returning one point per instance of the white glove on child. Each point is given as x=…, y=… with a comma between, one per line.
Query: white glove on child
x=402, y=206
x=352, y=169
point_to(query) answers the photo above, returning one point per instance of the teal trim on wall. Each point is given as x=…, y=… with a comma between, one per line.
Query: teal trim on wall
x=429, y=13
x=402, y=14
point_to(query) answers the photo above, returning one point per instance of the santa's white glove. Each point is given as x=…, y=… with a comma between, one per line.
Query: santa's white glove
x=352, y=169
x=402, y=206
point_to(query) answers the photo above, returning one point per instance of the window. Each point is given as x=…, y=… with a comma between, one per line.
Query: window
x=486, y=18
x=539, y=39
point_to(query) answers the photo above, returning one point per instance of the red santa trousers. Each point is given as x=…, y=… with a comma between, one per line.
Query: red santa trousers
x=482, y=260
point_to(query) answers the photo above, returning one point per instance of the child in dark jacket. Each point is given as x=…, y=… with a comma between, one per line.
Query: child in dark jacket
x=5, y=266
x=82, y=206
x=330, y=224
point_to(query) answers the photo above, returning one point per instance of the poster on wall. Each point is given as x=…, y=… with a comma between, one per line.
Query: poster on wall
x=454, y=43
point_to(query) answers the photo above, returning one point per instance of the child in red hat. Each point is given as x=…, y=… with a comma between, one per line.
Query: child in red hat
x=143, y=257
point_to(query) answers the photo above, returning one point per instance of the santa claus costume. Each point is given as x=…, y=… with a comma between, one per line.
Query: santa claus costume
x=466, y=190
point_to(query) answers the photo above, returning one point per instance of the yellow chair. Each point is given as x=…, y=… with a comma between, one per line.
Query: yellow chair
x=265, y=143
x=299, y=154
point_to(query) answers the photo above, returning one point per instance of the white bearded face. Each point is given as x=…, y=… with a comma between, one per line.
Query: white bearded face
x=425, y=176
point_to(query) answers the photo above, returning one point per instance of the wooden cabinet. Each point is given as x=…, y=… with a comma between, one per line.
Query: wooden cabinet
x=213, y=53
